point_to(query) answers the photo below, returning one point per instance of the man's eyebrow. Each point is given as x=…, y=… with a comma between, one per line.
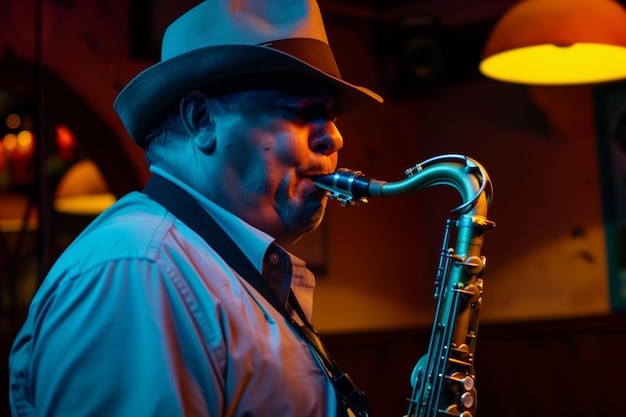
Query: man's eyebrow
x=312, y=88
x=311, y=97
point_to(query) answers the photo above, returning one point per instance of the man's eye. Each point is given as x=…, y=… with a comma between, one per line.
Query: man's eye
x=299, y=113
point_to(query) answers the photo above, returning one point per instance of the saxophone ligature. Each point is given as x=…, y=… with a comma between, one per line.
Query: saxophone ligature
x=443, y=380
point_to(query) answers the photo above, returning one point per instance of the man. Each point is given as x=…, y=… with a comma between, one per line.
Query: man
x=152, y=311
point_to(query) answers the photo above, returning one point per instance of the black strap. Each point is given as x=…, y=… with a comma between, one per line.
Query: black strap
x=178, y=202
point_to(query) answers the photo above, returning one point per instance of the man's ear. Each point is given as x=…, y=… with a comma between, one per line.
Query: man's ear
x=195, y=115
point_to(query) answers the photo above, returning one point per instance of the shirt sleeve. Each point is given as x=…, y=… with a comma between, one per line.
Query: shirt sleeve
x=107, y=344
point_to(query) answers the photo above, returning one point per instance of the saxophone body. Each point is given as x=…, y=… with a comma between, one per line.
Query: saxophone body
x=443, y=380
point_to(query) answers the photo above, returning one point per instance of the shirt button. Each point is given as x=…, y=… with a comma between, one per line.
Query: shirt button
x=274, y=258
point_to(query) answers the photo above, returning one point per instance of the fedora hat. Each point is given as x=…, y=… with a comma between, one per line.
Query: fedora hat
x=220, y=41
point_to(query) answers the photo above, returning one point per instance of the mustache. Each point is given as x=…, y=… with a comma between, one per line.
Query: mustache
x=316, y=169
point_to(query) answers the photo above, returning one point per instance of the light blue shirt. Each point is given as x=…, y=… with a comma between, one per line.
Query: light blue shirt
x=140, y=317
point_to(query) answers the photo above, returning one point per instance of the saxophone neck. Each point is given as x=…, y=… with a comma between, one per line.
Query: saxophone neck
x=464, y=174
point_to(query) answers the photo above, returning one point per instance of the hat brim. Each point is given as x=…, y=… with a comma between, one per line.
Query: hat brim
x=155, y=89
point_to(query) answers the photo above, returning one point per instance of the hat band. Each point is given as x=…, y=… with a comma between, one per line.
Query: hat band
x=311, y=51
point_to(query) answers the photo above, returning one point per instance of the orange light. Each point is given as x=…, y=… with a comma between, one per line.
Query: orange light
x=65, y=141
x=86, y=205
x=558, y=42
x=25, y=143
x=13, y=121
x=10, y=142
x=65, y=137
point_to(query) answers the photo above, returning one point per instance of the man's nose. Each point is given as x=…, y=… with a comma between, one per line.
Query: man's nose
x=326, y=139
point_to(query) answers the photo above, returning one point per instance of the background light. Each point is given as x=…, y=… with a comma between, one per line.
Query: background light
x=558, y=42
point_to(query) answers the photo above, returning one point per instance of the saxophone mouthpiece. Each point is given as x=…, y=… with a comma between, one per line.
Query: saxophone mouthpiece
x=347, y=187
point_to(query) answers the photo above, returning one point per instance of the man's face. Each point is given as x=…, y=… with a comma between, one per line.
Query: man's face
x=268, y=145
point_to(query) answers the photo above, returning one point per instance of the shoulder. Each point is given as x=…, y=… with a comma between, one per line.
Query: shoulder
x=131, y=227
x=135, y=229
x=134, y=249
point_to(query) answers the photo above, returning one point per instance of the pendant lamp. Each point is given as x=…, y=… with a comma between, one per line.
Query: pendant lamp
x=558, y=42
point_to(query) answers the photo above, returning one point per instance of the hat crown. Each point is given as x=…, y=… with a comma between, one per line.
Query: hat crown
x=247, y=22
x=224, y=41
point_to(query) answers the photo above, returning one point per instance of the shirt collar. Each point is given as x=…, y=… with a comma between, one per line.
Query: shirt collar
x=252, y=241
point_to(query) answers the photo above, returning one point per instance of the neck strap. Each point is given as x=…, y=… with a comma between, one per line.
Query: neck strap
x=178, y=202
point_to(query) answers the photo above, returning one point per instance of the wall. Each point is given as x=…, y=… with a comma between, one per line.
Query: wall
x=553, y=368
x=86, y=45
x=546, y=257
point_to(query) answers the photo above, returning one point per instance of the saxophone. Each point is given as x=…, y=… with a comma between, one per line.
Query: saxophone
x=443, y=380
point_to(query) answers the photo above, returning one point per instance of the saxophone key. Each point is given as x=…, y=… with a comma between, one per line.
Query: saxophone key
x=460, y=382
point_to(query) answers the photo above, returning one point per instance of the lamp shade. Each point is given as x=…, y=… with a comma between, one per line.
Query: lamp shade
x=558, y=42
